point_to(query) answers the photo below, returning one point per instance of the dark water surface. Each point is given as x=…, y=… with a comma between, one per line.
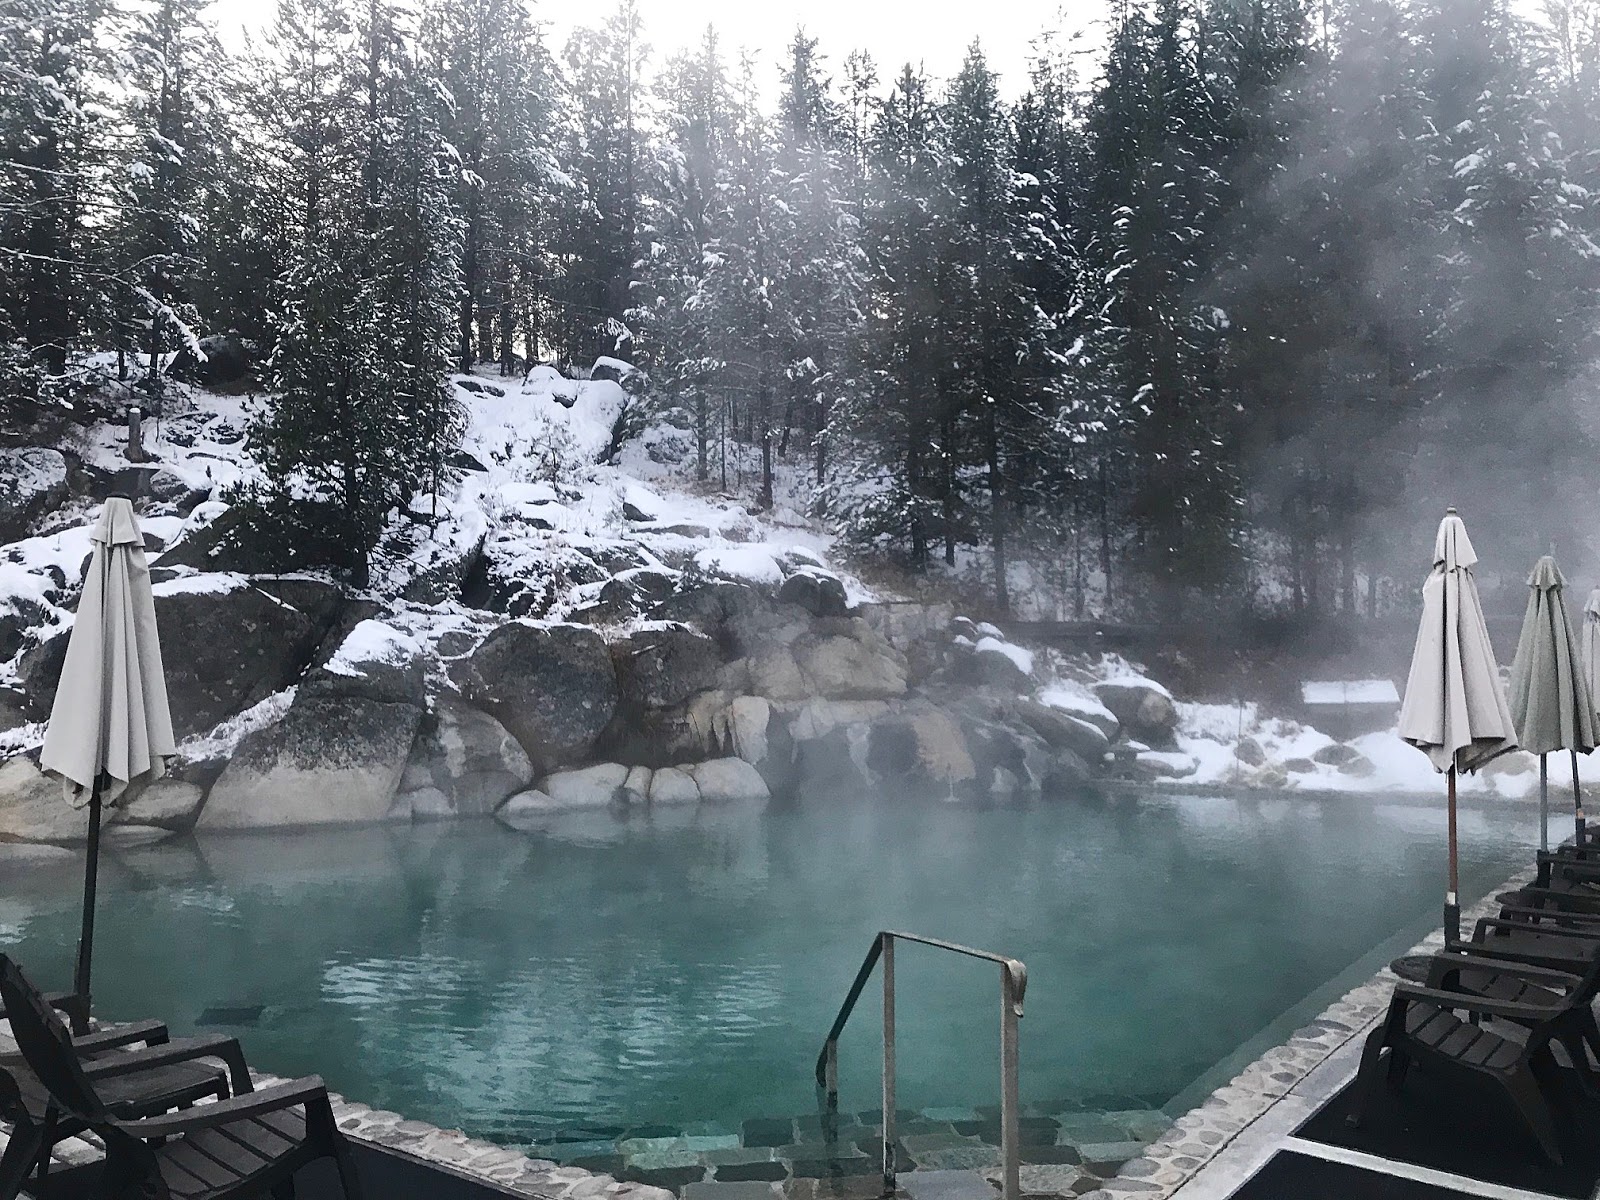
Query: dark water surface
x=685, y=971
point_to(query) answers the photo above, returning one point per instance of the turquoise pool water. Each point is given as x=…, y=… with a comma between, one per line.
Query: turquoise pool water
x=685, y=972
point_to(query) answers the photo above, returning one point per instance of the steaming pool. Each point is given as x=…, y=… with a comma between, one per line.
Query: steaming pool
x=683, y=975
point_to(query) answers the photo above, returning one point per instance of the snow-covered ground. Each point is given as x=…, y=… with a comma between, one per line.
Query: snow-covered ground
x=1237, y=745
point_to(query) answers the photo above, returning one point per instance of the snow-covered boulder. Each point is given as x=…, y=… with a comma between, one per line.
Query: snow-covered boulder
x=1082, y=706
x=1002, y=664
x=33, y=481
x=818, y=591
x=227, y=644
x=553, y=686
x=631, y=592
x=331, y=760
x=463, y=763
x=663, y=664
x=738, y=618
x=375, y=661
x=1143, y=706
x=1063, y=730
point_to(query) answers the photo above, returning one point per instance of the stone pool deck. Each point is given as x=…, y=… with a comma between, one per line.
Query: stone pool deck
x=1070, y=1151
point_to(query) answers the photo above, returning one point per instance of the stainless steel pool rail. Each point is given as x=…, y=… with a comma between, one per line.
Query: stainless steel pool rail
x=1013, y=983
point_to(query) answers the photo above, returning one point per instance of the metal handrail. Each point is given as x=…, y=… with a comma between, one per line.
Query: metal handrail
x=1013, y=983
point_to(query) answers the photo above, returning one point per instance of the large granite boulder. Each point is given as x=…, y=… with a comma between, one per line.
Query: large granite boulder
x=227, y=642
x=223, y=358
x=630, y=592
x=664, y=664
x=921, y=748
x=1012, y=761
x=169, y=803
x=818, y=591
x=1144, y=708
x=738, y=617
x=586, y=787
x=33, y=481
x=1063, y=730
x=226, y=542
x=374, y=661
x=858, y=665
x=553, y=686
x=463, y=763
x=33, y=807
x=722, y=780
x=331, y=760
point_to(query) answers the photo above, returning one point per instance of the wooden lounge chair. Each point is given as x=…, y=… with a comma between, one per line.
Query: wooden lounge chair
x=1565, y=999
x=247, y=1145
x=135, y=1081
x=1426, y=1025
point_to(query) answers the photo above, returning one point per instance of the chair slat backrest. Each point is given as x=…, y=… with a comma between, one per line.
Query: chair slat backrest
x=46, y=1044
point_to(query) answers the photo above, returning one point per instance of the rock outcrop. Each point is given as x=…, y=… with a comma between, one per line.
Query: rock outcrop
x=33, y=481
x=331, y=760
x=1144, y=708
x=463, y=763
x=554, y=687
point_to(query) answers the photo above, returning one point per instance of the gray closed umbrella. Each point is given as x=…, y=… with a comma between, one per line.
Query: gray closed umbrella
x=1454, y=710
x=1589, y=647
x=110, y=724
x=1550, y=699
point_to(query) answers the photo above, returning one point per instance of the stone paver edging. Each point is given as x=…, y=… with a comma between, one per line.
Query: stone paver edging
x=1198, y=1136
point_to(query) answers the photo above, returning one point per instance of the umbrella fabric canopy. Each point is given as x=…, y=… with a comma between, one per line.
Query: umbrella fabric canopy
x=1590, y=645
x=1550, y=698
x=110, y=724
x=1454, y=710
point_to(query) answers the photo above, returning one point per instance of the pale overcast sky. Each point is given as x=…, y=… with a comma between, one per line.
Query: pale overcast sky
x=933, y=32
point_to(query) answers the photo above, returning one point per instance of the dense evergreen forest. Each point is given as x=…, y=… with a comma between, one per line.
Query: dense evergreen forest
x=1229, y=312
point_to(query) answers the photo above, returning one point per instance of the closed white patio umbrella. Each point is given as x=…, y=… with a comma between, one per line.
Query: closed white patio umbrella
x=1551, y=703
x=110, y=725
x=1589, y=647
x=1454, y=710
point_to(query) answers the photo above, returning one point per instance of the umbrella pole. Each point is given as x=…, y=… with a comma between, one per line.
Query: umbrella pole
x=91, y=876
x=1577, y=800
x=1452, y=904
x=1544, y=804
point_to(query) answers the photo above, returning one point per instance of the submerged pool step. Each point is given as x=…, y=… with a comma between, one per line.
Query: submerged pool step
x=944, y=1152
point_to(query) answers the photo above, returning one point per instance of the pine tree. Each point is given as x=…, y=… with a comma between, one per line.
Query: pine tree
x=890, y=489
x=361, y=418
x=677, y=225
x=52, y=61
x=175, y=118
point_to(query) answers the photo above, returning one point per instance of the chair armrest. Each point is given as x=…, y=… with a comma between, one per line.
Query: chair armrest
x=1559, y=899
x=115, y=1037
x=179, y=1050
x=1451, y=963
x=225, y=1112
x=1582, y=939
x=1517, y=911
x=1576, y=960
x=61, y=1001
x=1466, y=1002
